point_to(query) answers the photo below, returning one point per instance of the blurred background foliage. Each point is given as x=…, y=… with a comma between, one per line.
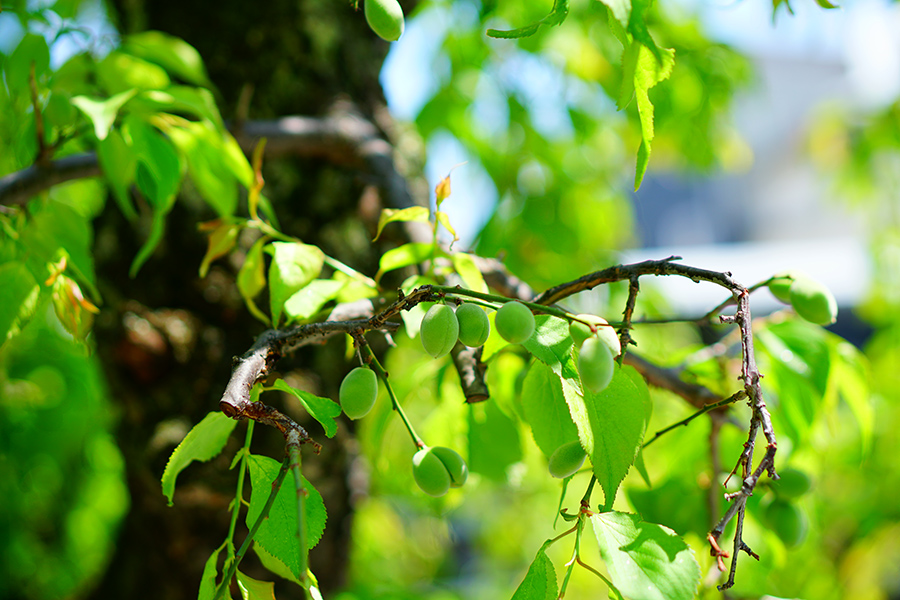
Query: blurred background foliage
x=553, y=159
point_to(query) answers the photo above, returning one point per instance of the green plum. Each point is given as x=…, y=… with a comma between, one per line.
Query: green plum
x=385, y=17
x=567, y=459
x=358, y=392
x=514, y=322
x=474, y=326
x=439, y=330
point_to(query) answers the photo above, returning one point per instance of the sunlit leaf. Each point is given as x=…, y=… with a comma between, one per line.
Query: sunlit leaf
x=444, y=219
x=465, y=266
x=18, y=298
x=278, y=533
x=494, y=442
x=119, y=168
x=310, y=300
x=174, y=54
x=203, y=442
x=645, y=561
x=293, y=266
x=540, y=580
x=621, y=10
x=557, y=15
x=251, y=279
x=546, y=409
x=208, y=578
x=323, y=410
x=253, y=589
x=404, y=256
x=102, y=113
x=393, y=215
x=120, y=71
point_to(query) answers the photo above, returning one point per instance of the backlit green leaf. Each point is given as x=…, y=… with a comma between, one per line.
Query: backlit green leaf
x=18, y=298
x=323, y=410
x=546, y=409
x=391, y=215
x=203, y=442
x=254, y=589
x=102, y=113
x=404, y=256
x=540, y=581
x=278, y=533
x=174, y=54
x=293, y=266
x=494, y=442
x=467, y=269
x=308, y=301
x=645, y=561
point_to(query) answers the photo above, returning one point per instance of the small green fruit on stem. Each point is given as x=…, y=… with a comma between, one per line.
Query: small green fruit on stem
x=514, y=322
x=454, y=464
x=601, y=328
x=567, y=459
x=595, y=365
x=439, y=330
x=813, y=301
x=385, y=17
x=430, y=473
x=474, y=327
x=358, y=392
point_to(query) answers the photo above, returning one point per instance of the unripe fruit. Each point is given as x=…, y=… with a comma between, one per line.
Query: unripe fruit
x=514, y=322
x=358, y=392
x=439, y=330
x=454, y=463
x=385, y=17
x=813, y=301
x=780, y=286
x=581, y=332
x=595, y=365
x=791, y=483
x=787, y=521
x=567, y=459
x=430, y=473
x=474, y=327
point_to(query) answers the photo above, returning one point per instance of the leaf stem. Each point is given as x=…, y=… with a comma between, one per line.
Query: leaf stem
x=383, y=375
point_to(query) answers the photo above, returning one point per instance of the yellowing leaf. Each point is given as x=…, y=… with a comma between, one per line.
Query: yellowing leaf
x=220, y=243
x=444, y=220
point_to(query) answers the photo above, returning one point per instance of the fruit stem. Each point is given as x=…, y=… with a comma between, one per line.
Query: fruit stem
x=457, y=291
x=383, y=375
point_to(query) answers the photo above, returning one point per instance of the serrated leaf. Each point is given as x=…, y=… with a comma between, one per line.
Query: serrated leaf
x=546, y=410
x=464, y=265
x=651, y=68
x=208, y=578
x=102, y=113
x=645, y=561
x=540, y=580
x=174, y=54
x=219, y=243
x=293, y=266
x=391, y=215
x=323, y=410
x=254, y=589
x=557, y=15
x=404, y=256
x=278, y=533
x=203, y=442
x=274, y=564
x=309, y=300
x=618, y=418
x=550, y=342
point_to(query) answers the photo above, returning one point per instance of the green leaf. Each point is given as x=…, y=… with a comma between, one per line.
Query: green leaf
x=202, y=146
x=550, y=342
x=251, y=279
x=464, y=265
x=278, y=534
x=204, y=441
x=546, y=409
x=119, y=164
x=851, y=374
x=274, y=564
x=293, y=266
x=557, y=15
x=19, y=293
x=180, y=99
x=620, y=9
x=32, y=49
x=649, y=71
x=159, y=167
x=308, y=301
x=119, y=72
x=391, y=215
x=645, y=561
x=444, y=219
x=208, y=578
x=494, y=442
x=323, y=410
x=174, y=54
x=221, y=241
x=253, y=589
x=102, y=113
x=404, y=256
x=540, y=581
